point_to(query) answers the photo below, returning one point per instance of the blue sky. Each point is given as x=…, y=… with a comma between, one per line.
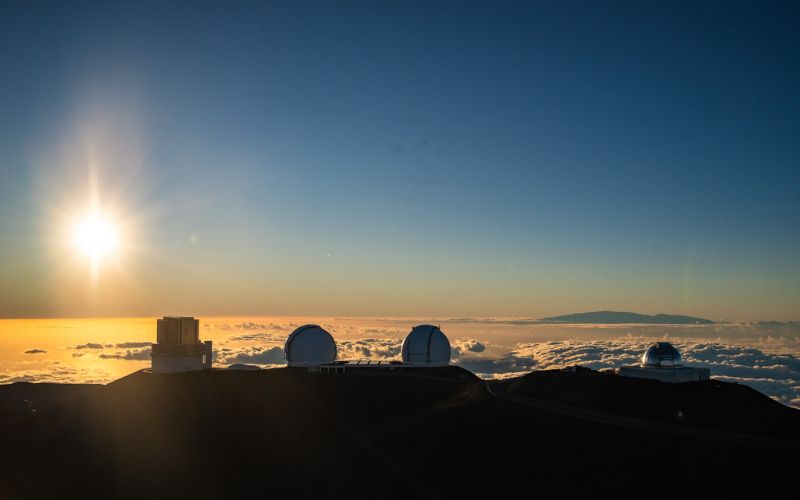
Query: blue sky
x=490, y=158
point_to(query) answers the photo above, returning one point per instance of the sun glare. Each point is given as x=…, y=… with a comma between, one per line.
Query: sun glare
x=95, y=236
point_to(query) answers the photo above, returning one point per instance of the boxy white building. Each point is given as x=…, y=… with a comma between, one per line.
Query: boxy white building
x=178, y=347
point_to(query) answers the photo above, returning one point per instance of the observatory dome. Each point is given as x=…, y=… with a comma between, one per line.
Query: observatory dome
x=309, y=345
x=426, y=344
x=662, y=355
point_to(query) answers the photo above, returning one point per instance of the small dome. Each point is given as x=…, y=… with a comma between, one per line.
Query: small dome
x=426, y=344
x=309, y=345
x=662, y=355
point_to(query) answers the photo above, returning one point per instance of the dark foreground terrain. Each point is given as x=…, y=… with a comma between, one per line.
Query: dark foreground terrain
x=422, y=433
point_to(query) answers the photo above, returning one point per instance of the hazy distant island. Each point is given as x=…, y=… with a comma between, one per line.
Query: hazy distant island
x=622, y=317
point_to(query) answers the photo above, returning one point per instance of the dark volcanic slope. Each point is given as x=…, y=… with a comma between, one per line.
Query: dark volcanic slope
x=616, y=317
x=22, y=399
x=426, y=433
x=709, y=404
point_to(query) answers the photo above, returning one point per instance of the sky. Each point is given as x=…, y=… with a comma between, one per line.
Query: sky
x=486, y=159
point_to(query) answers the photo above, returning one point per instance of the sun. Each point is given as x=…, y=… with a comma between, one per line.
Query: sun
x=95, y=236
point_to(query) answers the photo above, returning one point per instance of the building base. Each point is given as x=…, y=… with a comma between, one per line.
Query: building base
x=674, y=375
x=171, y=358
x=174, y=364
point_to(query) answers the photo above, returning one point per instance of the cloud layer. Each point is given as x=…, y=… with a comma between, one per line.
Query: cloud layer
x=57, y=373
x=777, y=375
x=131, y=351
x=258, y=343
x=249, y=355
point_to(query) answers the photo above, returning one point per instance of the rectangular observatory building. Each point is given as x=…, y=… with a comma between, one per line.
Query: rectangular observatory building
x=675, y=375
x=178, y=347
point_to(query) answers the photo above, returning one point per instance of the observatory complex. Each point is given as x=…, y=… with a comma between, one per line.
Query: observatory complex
x=178, y=347
x=662, y=361
x=311, y=347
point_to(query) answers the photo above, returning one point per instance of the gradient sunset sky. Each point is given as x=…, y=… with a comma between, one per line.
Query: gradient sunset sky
x=401, y=158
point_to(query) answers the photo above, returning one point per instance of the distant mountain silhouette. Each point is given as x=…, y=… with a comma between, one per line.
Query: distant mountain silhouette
x=778, y=324
x=619, y=317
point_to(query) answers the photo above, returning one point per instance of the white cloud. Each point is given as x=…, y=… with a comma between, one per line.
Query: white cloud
x=250, y=326
x=133, y=351
x=368, y=348
x=463, y=346
x=91, y=345
x=129, y=355
x=259, y=337
x=250, y=355
x=131, y=345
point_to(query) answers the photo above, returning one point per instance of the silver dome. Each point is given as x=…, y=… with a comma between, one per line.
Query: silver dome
x=309, y=345
x=426, y=344
x=662, y=355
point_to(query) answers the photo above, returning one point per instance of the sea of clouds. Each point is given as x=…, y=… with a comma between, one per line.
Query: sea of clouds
x=763, y=364
x=774, y=374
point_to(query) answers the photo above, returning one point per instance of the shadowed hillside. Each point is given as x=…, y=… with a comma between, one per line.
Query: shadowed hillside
x=427, y=433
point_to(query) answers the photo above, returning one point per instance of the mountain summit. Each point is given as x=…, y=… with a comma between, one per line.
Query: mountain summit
x=619, y=317
x=423, y=433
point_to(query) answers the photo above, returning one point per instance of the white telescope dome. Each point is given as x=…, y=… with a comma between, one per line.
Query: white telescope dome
x=426, y=344
x=309, y=345
x=662, y=355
